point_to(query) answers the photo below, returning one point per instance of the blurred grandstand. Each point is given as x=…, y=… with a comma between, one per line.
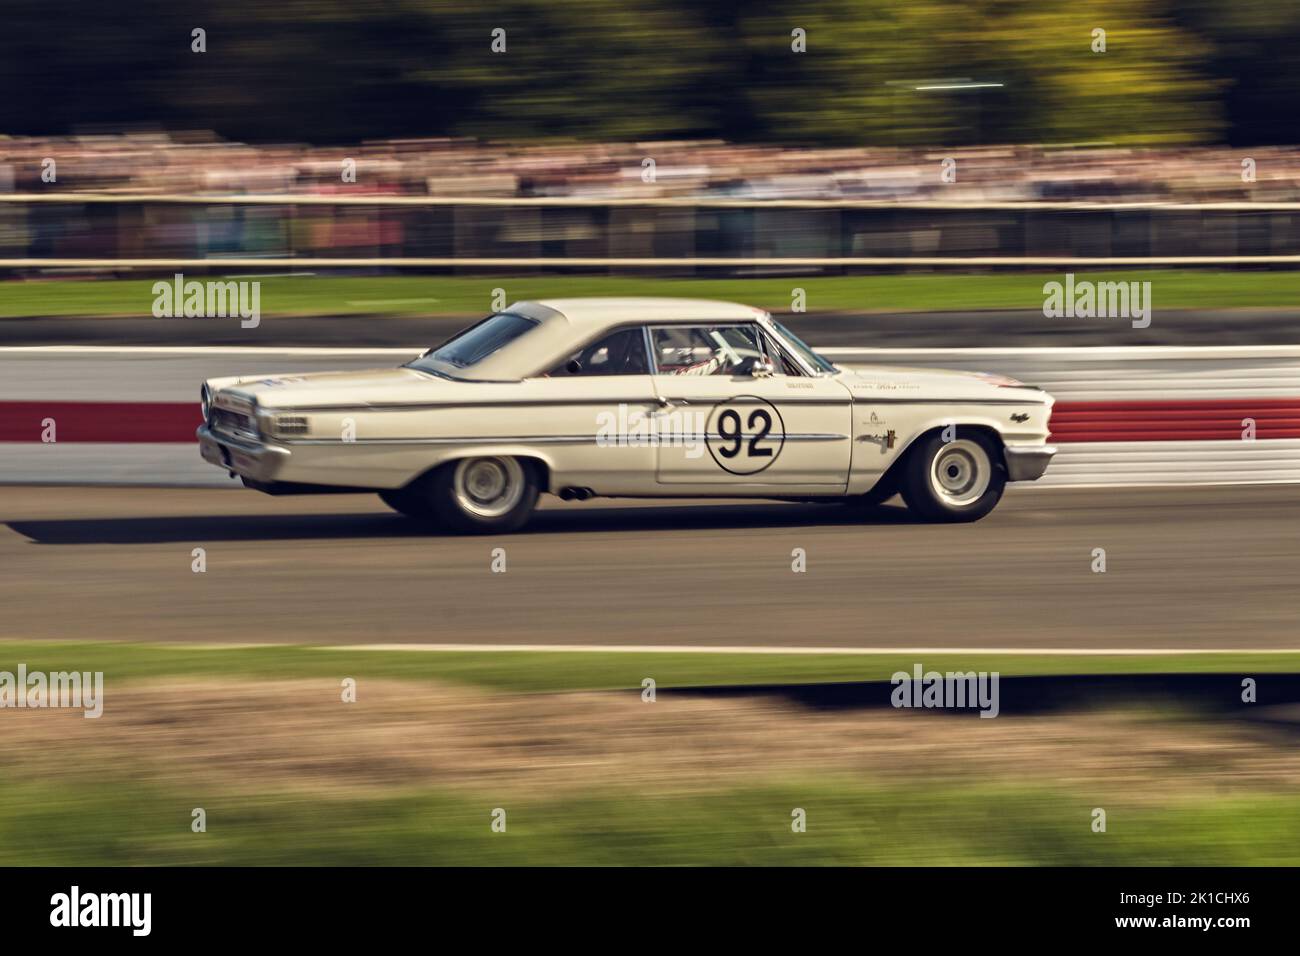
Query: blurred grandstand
x=203, y=164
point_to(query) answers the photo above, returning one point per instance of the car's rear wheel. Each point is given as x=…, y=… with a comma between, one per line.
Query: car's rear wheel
x=490, y=495
x=958, y=480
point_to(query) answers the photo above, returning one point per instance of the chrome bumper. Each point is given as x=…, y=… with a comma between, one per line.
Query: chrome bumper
x=256, y=461
x=1026, y=463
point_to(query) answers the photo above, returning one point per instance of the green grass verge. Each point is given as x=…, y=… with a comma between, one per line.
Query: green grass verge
x=559, y=671
x=471, y=296
x=82, y=822
x=80, y=819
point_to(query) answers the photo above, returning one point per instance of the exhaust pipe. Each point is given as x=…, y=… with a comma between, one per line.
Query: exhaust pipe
x=576, y=494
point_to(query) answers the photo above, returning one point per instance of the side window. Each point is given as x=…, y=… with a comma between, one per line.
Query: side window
x=784, y=364
x=619, y=353
x=706, y=349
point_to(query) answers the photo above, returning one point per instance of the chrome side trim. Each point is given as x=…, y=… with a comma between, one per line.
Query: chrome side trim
x=610, y=403
x=758, y=400
x=666, y=437
x=432, y=406
x=653, y=401
x=859, y=400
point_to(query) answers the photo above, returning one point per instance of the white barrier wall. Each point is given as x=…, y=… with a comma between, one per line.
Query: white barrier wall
x=1161, y=401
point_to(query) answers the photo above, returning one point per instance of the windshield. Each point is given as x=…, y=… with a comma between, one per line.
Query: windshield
x=476, y=343
x=807, y=354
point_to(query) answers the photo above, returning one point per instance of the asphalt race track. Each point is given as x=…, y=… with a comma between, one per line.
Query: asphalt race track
x=1209, y=567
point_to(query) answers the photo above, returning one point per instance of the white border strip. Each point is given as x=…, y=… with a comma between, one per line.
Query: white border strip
x=1089, y=352
x=704, y=202
x=206, y=350
x=1079, y=352
x=859, y=651
x=651, y=262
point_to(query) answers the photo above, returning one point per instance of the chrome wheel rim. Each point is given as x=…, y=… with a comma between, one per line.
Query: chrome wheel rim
x=488, y=487
x=960, y=472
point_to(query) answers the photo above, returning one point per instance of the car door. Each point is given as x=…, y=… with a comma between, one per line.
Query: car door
x=758, y=421
x=593, y=411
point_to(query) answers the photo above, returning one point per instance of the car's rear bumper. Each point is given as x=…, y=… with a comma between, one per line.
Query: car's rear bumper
x=1027, y=463
x=259, y=462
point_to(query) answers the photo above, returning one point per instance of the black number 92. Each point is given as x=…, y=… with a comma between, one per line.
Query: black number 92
x=759, y=425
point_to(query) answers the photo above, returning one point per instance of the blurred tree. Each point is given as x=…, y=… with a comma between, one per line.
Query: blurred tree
x=875, y=72
x=343, y=70
x=1256, y=53
x=608, y=69
x=1148, y=87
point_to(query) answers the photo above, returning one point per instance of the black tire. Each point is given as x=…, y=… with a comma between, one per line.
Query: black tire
x=884, y=489
x=403, y=501
x=489, y=495
x=960, y=480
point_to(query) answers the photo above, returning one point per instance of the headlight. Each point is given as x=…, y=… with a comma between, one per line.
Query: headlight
x=205, y=400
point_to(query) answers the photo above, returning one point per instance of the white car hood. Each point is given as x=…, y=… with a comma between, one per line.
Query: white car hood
x=886, y=380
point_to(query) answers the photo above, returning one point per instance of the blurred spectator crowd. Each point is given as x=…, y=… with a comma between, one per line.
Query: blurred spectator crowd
x=157, y=163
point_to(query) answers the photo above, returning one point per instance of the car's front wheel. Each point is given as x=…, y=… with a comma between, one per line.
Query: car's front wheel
x=490, y=495
x=958, y=480
x=408, y=502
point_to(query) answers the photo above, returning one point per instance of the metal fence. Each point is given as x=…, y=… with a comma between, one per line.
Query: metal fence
x=64, y=231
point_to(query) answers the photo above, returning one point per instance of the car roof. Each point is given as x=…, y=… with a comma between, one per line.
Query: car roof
x=597, y=312
x=565, y=324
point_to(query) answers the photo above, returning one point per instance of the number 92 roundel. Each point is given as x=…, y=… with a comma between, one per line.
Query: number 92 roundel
x=745, y=435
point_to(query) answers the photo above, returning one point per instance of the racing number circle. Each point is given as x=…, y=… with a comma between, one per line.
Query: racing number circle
x=745, y=435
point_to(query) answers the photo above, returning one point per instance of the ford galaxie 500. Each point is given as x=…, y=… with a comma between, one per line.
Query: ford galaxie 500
x=629, y=397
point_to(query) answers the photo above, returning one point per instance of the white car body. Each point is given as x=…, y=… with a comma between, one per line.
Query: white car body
x=686, y=423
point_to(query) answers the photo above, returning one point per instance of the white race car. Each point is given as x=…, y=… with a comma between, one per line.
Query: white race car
x=632, y=398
